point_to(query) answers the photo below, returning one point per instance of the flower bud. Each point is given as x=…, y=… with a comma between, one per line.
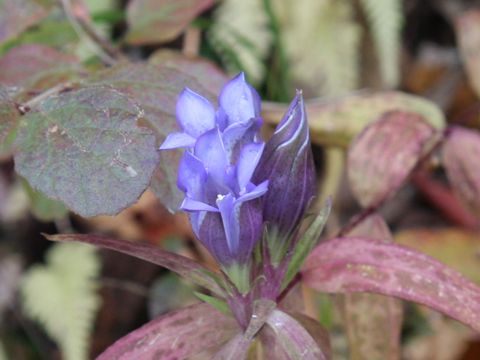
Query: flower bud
x=287, y=163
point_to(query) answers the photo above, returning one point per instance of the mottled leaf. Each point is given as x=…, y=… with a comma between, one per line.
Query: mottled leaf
x=346, y=265
x=8, y=123
x=177, y=335
x=185, y=267
x=18, y=15
x=384, y=154
x=206, y=72
x=155, y=89
x=296, y=341
x=84, y=147
x=31, y=69
x=338, y=122
x=373, y=322
x=156, y=21
x=467, y=26
x=456, y=247
x=461, y=153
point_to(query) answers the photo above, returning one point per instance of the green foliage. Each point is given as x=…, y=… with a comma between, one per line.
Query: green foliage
x=42, y=207
x=3, y=354
x=61, y=295
x=242, y=38
x=321, y=42
x=385, y=20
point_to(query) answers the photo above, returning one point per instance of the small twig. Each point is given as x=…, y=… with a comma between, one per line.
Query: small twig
x=27, y=106
x=84, y=29
x=191, y=41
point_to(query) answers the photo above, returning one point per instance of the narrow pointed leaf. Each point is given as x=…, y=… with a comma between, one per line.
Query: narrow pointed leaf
x=85, y=148
x=179, y=334
x=373, y=322
x=346, y=265
x=461, y=153
x=183, y=266
x=396, y=141
x=297, y=342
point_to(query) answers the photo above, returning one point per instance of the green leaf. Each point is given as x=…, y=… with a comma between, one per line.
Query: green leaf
x=385, y=20
x=8, y=123
x=31, y=69
x=155, y=89
x=241, y=36
x=42, y=207
x=307, y=242
x=156, y=21
x=61, y=295
x=217, y=303
x=85, y=148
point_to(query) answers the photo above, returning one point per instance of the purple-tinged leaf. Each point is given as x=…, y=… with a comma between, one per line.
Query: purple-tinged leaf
x=338, y=122
x=373, y=322
x=8, y=123
x=296, y=341
x=237, y=348
x=461, y=154
x=208, y=73
x=185, y=267
x=31, y=69
x=155, y=89
x=85, y=148
x=156, y=21
x=179, y=334
x=346, y=265
x=18, y=15
x=467, y=26
x=384, y=154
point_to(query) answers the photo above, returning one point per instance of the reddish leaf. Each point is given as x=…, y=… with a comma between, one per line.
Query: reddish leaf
x=461, y=153
x=176, y=335
x=384, y=154
x=373, y=322
x=205, y=71
x=296, y=341
x=17, y=15
x=346, y=265
x=155, y=21
x=30, y=69
x=467, y=27
x=183, y=266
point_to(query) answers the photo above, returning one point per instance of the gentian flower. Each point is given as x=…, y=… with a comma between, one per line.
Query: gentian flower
x=222, y=150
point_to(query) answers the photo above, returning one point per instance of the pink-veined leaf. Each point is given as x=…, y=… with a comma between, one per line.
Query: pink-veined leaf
x=461, y=154
x=384, y=154
x=296, y=341
x=181, y=265
x=156, y=21
x=373, y=322
x=346, y=265
x=180, y=334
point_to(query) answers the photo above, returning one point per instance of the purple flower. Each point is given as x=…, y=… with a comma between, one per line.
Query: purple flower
x=215, y=173
x=288, y=164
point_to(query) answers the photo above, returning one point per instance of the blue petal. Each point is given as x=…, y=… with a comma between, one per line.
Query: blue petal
x=209, y=149
x=254, y=191
x=177, y=140
x=189, y=204
x=230, y=213
x=239, y=100
x=195, y=114
x=247, y=162
x=192, y=176
x=238, y=134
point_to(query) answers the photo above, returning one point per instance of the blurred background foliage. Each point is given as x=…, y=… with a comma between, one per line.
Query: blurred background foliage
x=354, y=60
